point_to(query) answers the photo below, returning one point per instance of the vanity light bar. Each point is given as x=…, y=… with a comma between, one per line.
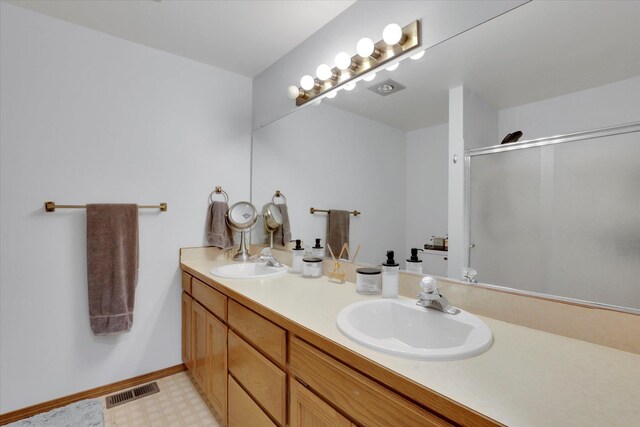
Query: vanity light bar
x=396, y=42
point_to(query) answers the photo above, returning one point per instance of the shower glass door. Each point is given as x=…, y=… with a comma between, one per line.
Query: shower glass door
x=560, y=219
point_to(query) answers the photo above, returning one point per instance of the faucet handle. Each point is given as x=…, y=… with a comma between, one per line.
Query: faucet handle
x=469, y=275
x=428, y=284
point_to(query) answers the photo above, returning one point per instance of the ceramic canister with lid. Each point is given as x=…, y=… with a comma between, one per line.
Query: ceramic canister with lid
x=311, y=267
x=368, y=280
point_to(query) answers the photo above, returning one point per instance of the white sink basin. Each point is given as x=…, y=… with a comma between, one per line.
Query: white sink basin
x=248, y=270
x=400, y=327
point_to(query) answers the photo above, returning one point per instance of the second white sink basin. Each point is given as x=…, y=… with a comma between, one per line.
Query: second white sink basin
x=248, y=270
x=400, y=327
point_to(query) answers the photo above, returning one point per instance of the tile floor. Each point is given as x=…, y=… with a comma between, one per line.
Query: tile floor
x=177, y=404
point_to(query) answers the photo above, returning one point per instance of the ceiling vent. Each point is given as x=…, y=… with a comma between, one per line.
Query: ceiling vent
x=386, y=87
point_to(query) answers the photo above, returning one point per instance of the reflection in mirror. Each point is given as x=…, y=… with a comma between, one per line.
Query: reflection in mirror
x=545, y=69
x=272, y=217
x=327, y=158
x=561, y=218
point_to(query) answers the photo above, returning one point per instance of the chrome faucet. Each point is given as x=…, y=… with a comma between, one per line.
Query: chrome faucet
x=430, y=297
x=469, y=275
x=267, y=257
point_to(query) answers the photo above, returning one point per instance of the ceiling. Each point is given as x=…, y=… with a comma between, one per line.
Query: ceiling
x=537, y=51
x=240, y=36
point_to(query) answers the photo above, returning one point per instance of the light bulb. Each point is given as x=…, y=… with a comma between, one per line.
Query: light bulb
x=293, y=92
x=307, y=82
x=349, y=86
x=390, y=67
x=323, y=72
x=332, y=95
x=343, y=60
x=365, y=47
x=392, y=34
x=418, y=55
x=369, y=77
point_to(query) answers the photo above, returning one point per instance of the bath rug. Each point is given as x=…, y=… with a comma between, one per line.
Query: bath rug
x=86, y=413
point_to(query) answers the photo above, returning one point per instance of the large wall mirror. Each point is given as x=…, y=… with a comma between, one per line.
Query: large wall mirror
x=557, y=219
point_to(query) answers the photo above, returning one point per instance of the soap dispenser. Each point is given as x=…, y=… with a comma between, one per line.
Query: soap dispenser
x=297, y=254
x=414, y=264
x=390, y=276
x=317, y=250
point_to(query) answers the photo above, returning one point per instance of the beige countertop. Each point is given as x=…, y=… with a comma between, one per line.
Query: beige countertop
x=527, y=377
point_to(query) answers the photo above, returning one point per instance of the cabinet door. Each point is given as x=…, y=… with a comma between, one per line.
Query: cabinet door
x=217, y=366
x=243, y=411
x=199, y=347
x=308, y=410
x=366, y=401
x=186, y=330
x=261, y=378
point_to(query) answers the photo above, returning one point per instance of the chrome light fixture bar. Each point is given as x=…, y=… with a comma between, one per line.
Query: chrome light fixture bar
x=396, y=41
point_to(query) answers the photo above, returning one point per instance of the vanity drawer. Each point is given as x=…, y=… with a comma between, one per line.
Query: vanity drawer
x=263, y=380
x=266, y=336
x=366, y=401
x=211, y=299
x=186, y=282
x=243, y=411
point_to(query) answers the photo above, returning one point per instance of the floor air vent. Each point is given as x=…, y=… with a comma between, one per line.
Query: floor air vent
x=131, y=395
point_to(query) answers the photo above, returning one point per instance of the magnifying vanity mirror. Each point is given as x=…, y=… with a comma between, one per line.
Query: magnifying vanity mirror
x=553, y=214
x=241, y=217
x=272, y=219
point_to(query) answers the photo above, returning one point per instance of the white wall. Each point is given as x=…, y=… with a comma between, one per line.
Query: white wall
x=612, y=104
x=441, y=20
x=331, y=159
x=427, y=184
x=86, y=117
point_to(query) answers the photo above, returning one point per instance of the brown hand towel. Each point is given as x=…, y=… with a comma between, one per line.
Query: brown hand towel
x=112, y=266
x=282, y=234
x=219, y=233
x=338, y=231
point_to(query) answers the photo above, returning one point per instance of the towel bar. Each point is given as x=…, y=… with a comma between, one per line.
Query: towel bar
x=278, y=195
x=51, y=207
x=219, y=190
x=314, y=210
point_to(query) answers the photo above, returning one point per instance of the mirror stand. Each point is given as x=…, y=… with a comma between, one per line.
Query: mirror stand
x=243, y=253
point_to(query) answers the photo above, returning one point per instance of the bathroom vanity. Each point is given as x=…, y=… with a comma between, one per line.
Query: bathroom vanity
x=268, y=352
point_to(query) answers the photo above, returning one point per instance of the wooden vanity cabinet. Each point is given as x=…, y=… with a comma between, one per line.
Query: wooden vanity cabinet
x=186, y=330
x=264, y=335
x=364, y=400
x=204, y=343
x=216, y=365
x=186, y=282
x=253, y=371
x=199, y=336
x=308, y=410
x=261, y=378
x=243, y=410
x=257, y=360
